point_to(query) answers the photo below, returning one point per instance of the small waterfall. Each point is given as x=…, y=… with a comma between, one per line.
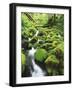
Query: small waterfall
x=37, y=71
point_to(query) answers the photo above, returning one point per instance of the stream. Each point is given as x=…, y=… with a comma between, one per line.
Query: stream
x=36, y=71
x=32, y=68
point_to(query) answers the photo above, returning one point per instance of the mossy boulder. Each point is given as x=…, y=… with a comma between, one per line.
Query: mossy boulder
x=59, y=51
x=52, y=64
x=23, y=62
x=40, y=55
x=23, y=59
x=52, y=71
x=52, y=60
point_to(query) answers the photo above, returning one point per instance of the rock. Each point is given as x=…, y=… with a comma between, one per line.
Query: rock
x=23, y=62
x=52, y=60
x=23, y=59
x=40, y=55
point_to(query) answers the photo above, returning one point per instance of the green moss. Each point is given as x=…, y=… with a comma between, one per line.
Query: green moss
x=52, y=71
x=54, y=44
x=37, y=45
x=52, y=64
x=40, y=55
x=52, y=59
x=23, y=59
x=59, y=51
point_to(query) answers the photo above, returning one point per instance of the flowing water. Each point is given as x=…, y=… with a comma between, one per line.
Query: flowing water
x=37, y=71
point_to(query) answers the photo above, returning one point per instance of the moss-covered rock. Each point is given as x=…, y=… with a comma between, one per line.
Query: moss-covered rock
x=23, y=59
x=52, y=71
x=52, y=60
x=23, y=62
x=59, y=51
x=52, y=64
x=40, y=55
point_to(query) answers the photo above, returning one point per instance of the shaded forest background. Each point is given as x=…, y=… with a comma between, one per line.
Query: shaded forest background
x=49, y=42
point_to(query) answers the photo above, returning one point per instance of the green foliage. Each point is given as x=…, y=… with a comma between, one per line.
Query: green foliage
x=40, y=55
